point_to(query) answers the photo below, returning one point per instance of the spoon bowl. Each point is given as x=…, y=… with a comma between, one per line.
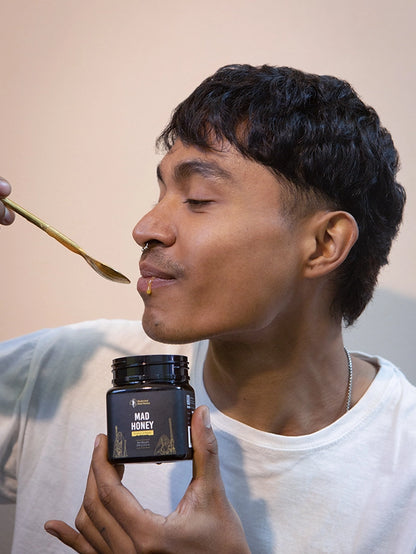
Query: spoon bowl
x=102, y=269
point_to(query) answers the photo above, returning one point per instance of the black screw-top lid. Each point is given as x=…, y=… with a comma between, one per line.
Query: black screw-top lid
x=159, y=367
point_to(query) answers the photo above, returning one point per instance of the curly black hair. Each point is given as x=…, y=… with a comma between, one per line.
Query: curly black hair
x=326, y=143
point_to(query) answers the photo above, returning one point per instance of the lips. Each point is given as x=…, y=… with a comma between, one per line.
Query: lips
x=149, y=270
x=159, y=276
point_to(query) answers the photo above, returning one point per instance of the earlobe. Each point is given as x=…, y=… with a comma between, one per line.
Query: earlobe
x=333, y=234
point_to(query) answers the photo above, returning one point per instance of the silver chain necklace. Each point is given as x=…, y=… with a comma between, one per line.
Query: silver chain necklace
x=349, y=386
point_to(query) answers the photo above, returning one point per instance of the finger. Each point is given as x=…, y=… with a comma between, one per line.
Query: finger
x=97, y=525
x=122, y=505
x=69, y=536
x=6, y=216
x=5, y=188
x=120, y=470
x=92, y=528
x=205, y=506
x=206, y=462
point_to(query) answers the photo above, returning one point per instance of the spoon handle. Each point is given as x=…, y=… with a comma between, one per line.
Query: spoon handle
x=51, y=231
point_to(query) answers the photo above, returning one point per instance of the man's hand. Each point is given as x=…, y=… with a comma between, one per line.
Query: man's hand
x=6, y=215
x=111, y=520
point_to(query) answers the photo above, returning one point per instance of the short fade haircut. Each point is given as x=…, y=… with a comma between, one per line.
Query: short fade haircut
x=329, y=147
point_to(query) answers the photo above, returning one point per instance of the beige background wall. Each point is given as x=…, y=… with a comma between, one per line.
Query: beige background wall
x=86, y=85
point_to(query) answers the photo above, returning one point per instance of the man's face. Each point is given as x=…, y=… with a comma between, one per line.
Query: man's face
x=223, y=260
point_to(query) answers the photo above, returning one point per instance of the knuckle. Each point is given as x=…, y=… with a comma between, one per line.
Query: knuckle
x=154, y=539
x=89, y=507
x=81, y=520
x=150, y=546
x=105, y=494
x=212, y=445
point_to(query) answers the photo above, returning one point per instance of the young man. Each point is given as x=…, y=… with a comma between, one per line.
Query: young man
x=278, y=206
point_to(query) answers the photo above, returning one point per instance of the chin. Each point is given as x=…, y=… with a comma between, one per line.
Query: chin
x=182, y=330
x=158, y=332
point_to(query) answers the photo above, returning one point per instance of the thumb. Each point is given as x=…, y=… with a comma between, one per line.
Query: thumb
x=205, y=460
x=5, y=188
x=6, y=215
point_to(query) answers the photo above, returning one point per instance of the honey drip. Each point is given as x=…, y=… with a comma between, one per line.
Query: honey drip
x=149, y=286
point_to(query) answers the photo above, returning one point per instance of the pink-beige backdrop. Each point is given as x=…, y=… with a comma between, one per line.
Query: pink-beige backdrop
x=86, y=85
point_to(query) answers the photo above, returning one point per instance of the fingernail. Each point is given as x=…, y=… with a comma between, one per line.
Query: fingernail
x=97, y=441
x=5, y=185
x=206, y=417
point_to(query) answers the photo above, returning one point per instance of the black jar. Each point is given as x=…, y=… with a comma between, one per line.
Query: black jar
x=149, y=409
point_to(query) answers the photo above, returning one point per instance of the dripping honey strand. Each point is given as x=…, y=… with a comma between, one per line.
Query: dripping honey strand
x=149, y=286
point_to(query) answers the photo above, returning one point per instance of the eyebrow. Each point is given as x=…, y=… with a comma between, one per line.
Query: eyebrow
x=205, y=168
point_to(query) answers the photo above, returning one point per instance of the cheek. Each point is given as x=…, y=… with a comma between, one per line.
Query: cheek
x=235, y=291
x=242, y=281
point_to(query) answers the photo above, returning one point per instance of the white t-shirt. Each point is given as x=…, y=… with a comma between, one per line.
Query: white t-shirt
x=348, y=488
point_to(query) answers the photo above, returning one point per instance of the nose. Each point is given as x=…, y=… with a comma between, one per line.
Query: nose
x=155, y=226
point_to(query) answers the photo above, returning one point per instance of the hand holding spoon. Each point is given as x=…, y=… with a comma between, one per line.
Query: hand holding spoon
x=99, y=267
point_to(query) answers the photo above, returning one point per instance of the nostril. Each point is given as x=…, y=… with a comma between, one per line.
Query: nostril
x=147, y=245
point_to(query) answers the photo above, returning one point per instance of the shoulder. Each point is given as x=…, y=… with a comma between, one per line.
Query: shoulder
x=110, y=337
x=87, y=339
x=391, y=399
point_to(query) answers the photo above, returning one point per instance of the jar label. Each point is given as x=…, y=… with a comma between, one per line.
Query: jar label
x=146, y=425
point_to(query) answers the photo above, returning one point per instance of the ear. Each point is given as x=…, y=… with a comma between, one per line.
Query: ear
x=331, y=235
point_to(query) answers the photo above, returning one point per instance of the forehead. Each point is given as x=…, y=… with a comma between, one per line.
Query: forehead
x=223, y=163
x=186, y=168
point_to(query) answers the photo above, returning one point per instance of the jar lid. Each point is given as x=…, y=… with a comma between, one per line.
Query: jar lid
x=155, y=367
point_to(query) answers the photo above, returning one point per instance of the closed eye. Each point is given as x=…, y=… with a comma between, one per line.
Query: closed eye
x=195, y=203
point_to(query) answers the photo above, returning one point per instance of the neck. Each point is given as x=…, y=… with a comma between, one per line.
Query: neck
x=285, y=385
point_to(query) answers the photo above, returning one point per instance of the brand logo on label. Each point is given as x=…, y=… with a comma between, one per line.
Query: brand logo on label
x=134, y=402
